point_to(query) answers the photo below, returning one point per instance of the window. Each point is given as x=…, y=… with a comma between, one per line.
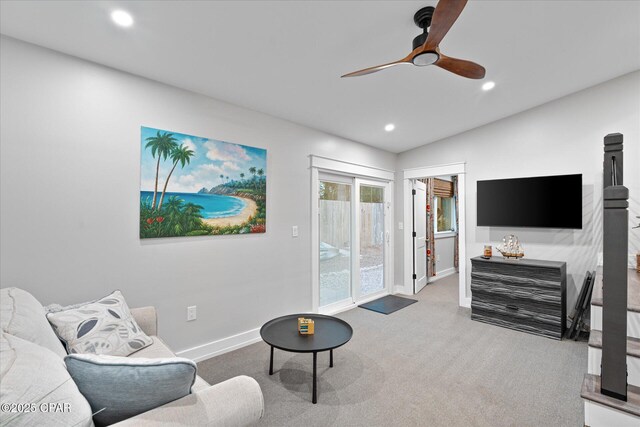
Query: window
x=445, y=214
x=370, y=194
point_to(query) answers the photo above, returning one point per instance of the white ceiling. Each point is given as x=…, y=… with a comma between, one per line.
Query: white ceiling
x=285, y=58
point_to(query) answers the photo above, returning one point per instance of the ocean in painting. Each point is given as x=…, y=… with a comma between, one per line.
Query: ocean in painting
x=214, y=206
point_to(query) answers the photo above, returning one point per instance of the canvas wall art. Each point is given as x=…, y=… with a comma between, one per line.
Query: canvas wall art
x=194, y=186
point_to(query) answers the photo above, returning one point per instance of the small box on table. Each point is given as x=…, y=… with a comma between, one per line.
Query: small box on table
x=305, y=326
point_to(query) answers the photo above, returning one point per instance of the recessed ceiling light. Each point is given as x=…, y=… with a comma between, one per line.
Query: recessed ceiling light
x=122, y=18
x=389, y=127
x=488, y=86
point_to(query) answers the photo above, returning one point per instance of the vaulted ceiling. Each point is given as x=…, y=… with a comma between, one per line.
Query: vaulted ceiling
x=285, y=58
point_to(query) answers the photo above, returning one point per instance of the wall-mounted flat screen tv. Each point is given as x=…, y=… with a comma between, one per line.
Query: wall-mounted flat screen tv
x=544, y=201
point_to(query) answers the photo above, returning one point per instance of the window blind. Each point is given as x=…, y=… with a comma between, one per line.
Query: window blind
x=443, y=188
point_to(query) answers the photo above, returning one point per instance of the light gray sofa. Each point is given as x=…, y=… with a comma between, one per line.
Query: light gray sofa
x=30, y=373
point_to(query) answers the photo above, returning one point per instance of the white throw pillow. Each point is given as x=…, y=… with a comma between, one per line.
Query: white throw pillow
x=105, y=326
x=118, y=388
x=37, y=388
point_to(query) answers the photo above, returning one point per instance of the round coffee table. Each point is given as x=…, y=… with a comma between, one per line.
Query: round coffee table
x=282, y=333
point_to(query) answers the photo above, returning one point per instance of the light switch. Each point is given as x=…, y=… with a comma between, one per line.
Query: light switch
x=294, y=231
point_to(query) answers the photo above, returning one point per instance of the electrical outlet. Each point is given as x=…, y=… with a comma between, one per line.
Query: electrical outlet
x=437, y=257
x=294, y=231
x=400, y=226
x=191, y=313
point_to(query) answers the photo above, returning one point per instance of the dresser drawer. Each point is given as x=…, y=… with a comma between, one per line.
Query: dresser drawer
x=547, y=300
x=516, y=268
x=516, y=284
x=518, y=315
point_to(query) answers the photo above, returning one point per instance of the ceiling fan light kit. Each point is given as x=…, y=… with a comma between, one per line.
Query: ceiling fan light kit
x=427, y=58
x=435, y=23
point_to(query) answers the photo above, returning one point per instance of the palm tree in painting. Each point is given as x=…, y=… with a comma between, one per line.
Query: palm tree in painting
x=161, y=144
x=191, y=216
x=173, y=207
x=221, y=177
x=242, y=175
x=260, y=172
x=173, y=212
x=252, y=171
x=180, y=155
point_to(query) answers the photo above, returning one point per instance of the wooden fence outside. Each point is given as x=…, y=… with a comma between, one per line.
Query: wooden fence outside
x=335, y=223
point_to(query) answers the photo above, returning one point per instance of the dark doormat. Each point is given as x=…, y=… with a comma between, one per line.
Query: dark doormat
x=388, y=304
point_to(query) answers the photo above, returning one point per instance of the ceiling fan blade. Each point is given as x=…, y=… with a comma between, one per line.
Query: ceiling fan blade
x=377, y=68
x=446, y=13
x=461, y=67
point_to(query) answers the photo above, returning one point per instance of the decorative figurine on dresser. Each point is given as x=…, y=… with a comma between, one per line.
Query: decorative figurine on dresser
x=524, y=294
x=511, y=247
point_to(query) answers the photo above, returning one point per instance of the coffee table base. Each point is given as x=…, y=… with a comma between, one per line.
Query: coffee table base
x=315, y=364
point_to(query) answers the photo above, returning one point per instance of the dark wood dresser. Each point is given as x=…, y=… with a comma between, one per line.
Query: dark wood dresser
x=526, y=294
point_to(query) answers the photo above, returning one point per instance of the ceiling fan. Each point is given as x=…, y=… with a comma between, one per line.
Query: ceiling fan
x=435, y=23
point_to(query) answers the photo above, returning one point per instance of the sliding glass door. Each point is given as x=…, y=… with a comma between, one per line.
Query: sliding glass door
x=335, y=196
x=372, y=236
x=353, y=242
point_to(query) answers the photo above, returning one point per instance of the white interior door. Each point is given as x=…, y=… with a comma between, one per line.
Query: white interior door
x=419, y=194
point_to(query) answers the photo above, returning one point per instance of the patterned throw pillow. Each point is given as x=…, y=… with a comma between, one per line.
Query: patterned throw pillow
x=104, y=326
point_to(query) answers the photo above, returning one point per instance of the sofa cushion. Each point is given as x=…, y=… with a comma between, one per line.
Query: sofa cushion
x=21, y=315
x=118, y=388
x=104, y=326
x=157, y=349
x=160, y=349
x=34, y=375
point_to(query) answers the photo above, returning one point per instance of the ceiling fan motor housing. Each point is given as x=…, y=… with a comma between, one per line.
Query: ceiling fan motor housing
x=422, y=18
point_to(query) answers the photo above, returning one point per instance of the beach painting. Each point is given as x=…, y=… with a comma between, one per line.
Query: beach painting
x=194, y=186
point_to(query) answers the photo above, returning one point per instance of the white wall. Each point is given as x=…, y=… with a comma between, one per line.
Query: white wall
x=561, y=137
x=444, y=249
x=70, y=160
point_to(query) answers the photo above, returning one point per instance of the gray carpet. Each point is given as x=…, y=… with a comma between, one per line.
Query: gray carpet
x=426, y=365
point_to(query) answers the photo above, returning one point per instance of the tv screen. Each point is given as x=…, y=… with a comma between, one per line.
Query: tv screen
x=545, y=201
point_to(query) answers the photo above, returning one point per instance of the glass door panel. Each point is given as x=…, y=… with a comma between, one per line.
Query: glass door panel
x=372, y=239
x=335, y=242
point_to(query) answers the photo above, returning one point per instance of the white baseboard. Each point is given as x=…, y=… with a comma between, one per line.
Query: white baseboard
x=221, y=346
x=465, y=302
x=442, y=274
